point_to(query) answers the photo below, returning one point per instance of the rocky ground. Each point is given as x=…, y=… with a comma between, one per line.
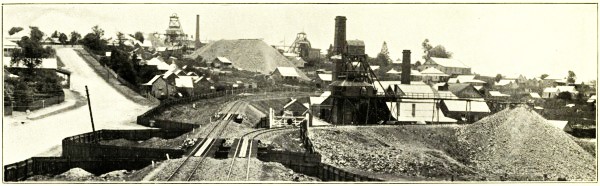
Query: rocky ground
x=515, y=145
x=80, y=175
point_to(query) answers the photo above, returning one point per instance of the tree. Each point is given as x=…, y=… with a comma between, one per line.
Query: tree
x=31, y=52
x=571, y=78
x=14, y=30
x=498, y=77
x=438, y=51
x=426, y=47
x=139, y=36
x=416, y=65
x=329, y=52
x=120, y=38
x=75, y=37
x=564, y=96
x=97, y=31
x=36, y=35
x=544, y=76
x=63, y=38
x=55, y=34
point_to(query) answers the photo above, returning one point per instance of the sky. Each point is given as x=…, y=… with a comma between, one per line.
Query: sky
x=510, y=39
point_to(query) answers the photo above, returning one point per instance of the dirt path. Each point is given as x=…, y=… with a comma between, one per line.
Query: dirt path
x=110, y=108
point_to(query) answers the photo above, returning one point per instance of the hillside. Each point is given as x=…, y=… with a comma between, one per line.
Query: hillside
x=247, y=54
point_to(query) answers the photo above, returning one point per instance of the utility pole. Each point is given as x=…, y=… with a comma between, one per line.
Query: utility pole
x=90, y=107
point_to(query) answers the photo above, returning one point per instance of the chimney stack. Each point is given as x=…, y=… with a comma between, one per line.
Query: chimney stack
x=197, y=29
x=405, y=78
x=339, y=44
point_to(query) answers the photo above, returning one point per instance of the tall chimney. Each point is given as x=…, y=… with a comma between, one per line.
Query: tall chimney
x=339, y=44
x=405, y=78
x=197, y=29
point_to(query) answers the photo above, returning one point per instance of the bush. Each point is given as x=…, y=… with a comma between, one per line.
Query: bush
x=564, y=96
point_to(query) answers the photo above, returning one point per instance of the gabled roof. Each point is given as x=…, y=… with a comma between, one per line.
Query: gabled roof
x=535, y=95
x=464, y=106
x=287, y=71
x=558, y=123
x=592, y=99
x=447, y=94
x=458, y=87
x=392, y=71
x=325, y=77
x=448, y=62
x=374, y=67
x=433, y=72
x=355, y=42
x=160, y=65
x=292, y=102
x=503, y=82
x=152, y=80
x=223, y=60
x=184, y=82
x=498, y=94
x=551, y=89
x=570, y=89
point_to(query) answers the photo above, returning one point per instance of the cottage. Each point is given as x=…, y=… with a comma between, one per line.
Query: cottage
x=221, y=62
x=281, y=73
x=447, y=66
x=470, y=79
x=433, y=75
x=550, y=92
x=319, y=107
x=465, y=111
x=159, y=63
x=203, y=85
x=464, y=90
x=496, y=94
x=159, y=87
x=323, y=80
x=185, y=85
x=294, y=108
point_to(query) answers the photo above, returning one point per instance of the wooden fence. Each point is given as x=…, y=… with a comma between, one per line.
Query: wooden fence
x=34, y=104
x=55, y=165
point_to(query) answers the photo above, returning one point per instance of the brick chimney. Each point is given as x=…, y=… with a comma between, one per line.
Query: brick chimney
x=405, y=78
x=197, y=30
x=339, y=44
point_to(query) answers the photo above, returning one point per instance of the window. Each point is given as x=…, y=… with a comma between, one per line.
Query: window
x=413, y=109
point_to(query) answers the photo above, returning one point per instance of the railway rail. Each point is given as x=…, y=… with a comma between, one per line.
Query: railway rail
x=250, y=140
x=181, y=173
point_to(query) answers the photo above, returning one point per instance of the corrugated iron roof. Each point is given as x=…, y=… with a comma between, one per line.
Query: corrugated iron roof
x=287, y=71
x=325, y=77
x=152, y=80
x=184, y=81
x=346, y=83
x=355, y=42
x=433, y=72
x=464, y=106
x=449, y=62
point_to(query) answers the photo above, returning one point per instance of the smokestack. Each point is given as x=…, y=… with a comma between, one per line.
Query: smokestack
x=197, y=28
x=339, y=44
x=405, y=78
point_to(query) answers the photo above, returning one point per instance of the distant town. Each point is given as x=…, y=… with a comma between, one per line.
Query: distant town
x=168, y=107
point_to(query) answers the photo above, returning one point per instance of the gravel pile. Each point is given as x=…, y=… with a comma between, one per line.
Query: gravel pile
x=520, y=143
x=154, y=142
x=272, y=171
x=351, y=150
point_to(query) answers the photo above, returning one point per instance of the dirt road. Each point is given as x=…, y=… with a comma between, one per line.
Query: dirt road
x=110, y=108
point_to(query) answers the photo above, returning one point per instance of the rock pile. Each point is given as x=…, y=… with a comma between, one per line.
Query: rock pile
x=520, y=143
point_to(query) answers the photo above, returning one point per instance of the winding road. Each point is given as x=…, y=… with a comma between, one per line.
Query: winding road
x=111, y=110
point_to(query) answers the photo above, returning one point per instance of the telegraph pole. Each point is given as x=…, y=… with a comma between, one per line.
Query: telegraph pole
x=90, y=107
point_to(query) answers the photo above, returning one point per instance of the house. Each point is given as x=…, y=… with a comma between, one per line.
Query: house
x=159, y=87
x=221, y=62
x=203, y=85
x=185, y=85
x=464, y=90
x=374, y=67
x=505, y=82
x=447, y=66
x=9, y=47
x=319, y=107
x=159, y=63
x=433, y=75
x=496, y=94
x=294, y=108
x=550, y=92
x=465, y=111
x=470, y=79
x=281, y=73
x=420, y=110
x=323, y=80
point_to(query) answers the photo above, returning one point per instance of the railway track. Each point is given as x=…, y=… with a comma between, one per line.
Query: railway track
x=201, y=151
x=250, y=140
